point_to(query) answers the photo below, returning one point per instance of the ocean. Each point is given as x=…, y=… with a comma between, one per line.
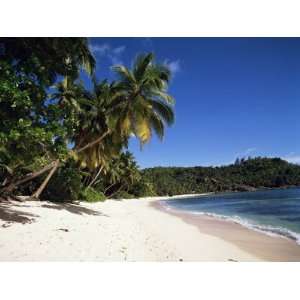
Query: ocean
x=273, y=212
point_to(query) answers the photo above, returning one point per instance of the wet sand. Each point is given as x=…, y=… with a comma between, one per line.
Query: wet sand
x=268, y=248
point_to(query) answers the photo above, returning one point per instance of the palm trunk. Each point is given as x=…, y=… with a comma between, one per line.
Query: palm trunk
x=38, y=192
x=121, y=186
x=108, y=188
x=95, y=178
x=53, y=165
x=86, y=180
x=95, y=142
x=27, y=178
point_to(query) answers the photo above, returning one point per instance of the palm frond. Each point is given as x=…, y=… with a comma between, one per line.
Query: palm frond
x=123, y=73
x=162, y=95
x=157, y=125
x=140, y=65
x=164, y=110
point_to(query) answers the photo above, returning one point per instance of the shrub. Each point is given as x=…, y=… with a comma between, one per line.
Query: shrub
x=122, y=195
x=91, y=195
x=65, y=185
x=143, y=188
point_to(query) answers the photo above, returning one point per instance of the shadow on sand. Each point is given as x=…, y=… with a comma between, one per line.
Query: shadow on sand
x=10, y=215
x=74, y=209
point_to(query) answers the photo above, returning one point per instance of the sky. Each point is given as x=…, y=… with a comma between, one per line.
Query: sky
x=235, y=97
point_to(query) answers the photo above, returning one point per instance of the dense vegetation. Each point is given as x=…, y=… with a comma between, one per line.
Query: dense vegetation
x=244, y=175
x=62, y=141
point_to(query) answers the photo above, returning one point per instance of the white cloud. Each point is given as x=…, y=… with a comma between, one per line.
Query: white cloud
x=292, y=158
x=240, y=155
x=246, y=153
x=115, y=59
x=175, y=66
x=105, y=50
x=99, y=49
x=119, y=50
x=249, y=151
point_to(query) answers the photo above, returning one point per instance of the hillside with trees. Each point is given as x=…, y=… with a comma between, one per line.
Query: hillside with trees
x=243, y=175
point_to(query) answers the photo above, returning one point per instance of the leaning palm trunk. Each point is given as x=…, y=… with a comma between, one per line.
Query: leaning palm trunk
x=38, y=192
x=13, y=185
x=95, y=142
x=118, y=190
x=96, y=177
x=53, y=166
x=108, y=188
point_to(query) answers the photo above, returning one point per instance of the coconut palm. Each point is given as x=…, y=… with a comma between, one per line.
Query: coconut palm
x=144, y=105
x=67, y=93
x=122, y=174
x=136, y=104
x=97, y=121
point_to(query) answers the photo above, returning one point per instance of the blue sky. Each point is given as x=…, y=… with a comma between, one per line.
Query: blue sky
x=235, y=97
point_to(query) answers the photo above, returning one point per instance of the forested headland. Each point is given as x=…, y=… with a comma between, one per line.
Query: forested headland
x=244, y=175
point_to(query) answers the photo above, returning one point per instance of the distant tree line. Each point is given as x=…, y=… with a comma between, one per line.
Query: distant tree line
x=244, y=175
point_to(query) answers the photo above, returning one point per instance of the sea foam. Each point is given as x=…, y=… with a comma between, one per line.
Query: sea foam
x=265, y=229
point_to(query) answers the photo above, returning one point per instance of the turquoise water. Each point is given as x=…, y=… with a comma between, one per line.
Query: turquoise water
x=274, y=212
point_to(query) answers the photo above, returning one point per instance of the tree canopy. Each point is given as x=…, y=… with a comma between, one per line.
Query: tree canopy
x=51, y=124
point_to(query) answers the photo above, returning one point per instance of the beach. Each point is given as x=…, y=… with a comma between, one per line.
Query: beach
x=129, y=230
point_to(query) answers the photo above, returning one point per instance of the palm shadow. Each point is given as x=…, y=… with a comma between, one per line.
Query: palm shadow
x=9, y=212
x=74, y=209
x=10, y=215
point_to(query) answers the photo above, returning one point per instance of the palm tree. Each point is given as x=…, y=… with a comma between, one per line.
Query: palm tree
x=122, y=174
x=97, y=120
x=136, y=104
x=144, y=105
x=69, y=93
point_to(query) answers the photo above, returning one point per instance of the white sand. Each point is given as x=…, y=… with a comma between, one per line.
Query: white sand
x=129, y=230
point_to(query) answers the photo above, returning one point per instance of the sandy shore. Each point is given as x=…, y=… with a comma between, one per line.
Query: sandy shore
x=129, y=230
x=266, y=247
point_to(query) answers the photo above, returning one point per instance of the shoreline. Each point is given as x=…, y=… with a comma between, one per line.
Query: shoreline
x=129, y=230
x=268, y=248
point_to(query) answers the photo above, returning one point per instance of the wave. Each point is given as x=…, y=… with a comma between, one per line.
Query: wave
x=266, y=229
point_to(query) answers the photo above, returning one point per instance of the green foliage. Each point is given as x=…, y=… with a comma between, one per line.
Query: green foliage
x=145, y=105
x=45, y=110
x=24, y=136
x=33, y=128
x=123, y=195
x=242, y=176
x=65, y=185
x=45, y=58
x=143, y=188
x=122, y=179
x=91, y=195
